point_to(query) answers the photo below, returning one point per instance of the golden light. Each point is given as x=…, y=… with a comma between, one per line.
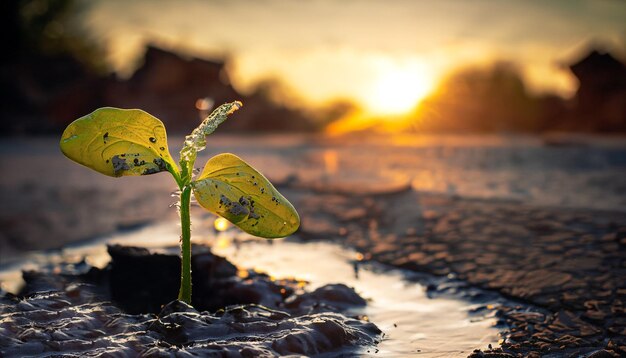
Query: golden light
x=221, y=224
x=391, y=99
x=242, y=273
x=204, y=104
x=398, y=89
x=223, y=242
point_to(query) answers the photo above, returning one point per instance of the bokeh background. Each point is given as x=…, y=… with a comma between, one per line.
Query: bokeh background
x=514, y=101
x=319, y=66
x=483, y=142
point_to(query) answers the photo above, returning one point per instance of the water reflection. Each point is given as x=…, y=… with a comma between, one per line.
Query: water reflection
x=402, y=309
x=410, y=320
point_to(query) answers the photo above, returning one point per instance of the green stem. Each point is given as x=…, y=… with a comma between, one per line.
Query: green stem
x=185, y=222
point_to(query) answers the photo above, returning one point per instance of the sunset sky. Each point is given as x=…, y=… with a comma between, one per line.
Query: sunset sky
x=384, y=55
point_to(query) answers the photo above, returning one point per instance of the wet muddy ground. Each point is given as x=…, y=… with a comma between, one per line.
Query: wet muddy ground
x=544, y=227
x=417, y=313
x=124, y=309
x=570, y=262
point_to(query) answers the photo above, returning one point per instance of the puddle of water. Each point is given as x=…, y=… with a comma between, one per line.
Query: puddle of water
x=412, y=322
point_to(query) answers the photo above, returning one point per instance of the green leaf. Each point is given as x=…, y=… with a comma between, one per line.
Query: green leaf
x=230, y=187
x=119, y=142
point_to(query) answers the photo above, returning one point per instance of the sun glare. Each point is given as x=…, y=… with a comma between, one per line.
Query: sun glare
x=387, y=102
x=397, y=90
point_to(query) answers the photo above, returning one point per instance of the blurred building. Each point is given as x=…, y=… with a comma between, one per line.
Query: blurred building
x=168, y=86
x=600, y=103
x=42, y=94
x=496, y=100
x=178, y=89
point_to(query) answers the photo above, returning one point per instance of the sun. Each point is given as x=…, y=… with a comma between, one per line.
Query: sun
x=398, y=89
x=388, y=98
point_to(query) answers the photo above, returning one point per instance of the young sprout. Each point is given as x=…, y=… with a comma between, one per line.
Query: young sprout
x=122, y=142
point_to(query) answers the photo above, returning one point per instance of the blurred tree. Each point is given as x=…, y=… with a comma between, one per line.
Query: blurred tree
x=49, y=56
x=335, y=110
x=52, y=28
x=277, y=91
x=274, y=107
x=484, y=100
x=9, y=30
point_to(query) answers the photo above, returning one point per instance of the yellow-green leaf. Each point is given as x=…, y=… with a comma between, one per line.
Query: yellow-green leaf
x=118, y=142
x=230, y=187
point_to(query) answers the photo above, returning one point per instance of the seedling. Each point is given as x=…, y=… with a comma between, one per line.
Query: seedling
x=130, y=142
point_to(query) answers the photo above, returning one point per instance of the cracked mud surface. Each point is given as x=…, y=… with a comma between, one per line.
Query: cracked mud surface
x=549, y=231
x=571, y=263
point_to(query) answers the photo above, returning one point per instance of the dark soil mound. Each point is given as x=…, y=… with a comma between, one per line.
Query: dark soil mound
x=66, y=310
